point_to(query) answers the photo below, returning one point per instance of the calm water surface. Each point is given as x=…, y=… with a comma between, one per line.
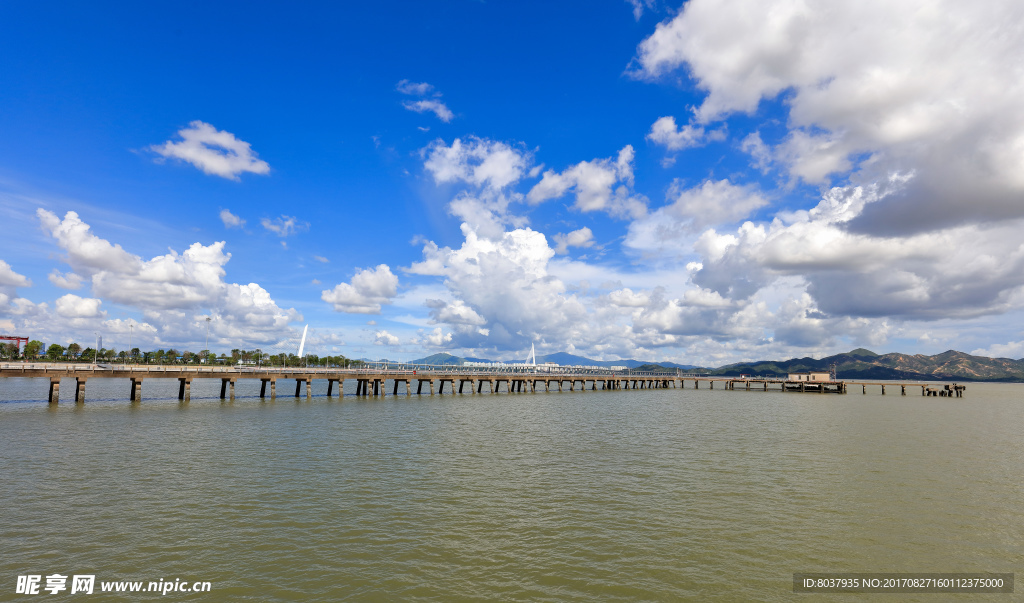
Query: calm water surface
x=625, y=495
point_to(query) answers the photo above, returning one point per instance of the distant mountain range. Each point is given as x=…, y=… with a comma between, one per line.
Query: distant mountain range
x=857, y=364
x=865, y=364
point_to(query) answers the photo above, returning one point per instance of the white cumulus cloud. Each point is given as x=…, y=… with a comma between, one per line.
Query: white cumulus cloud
x=430, y=105
x=65, y=280
x=230, y=220
x=582, y=237
x=384, y=338
x=489, y=168
x=173, y=290
x=368, y=290
x=599, y=185
x=666, y=133
x=871, y=88
x=10, y=280
x=284, y=226
x=414, y=88
x=73, y=306
x=215, y=152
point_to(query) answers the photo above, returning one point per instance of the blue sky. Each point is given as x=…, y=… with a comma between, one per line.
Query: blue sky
x=704, y=182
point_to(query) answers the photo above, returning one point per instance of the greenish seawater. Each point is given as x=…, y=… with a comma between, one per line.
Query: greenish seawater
x=619, y=495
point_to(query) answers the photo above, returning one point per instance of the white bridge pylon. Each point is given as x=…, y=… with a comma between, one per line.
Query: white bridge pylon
x=302, y=344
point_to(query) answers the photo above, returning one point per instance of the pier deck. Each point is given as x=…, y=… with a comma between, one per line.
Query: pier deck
x=373, y=381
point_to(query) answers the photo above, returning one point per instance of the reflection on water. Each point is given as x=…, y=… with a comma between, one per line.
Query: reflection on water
x=651, y=494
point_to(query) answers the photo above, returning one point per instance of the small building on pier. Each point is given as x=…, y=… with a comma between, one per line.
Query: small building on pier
x=811, y=376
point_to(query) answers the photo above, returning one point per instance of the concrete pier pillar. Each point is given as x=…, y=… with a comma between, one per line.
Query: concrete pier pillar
x=263, y=387
x=883, y=390
x=80, y=390
x=225, y=383
x=136, y=389
x=55, y=390
x=184, y=388
x=298, y=388
x=330, y=387
x=309, y=388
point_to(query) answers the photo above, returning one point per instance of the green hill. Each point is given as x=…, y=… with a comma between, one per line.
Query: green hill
x=865, y=364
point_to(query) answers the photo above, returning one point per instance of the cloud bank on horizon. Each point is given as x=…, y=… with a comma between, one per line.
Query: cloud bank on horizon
x=840, y=175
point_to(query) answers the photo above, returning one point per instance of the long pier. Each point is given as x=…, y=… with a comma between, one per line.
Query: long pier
x=372, y=380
